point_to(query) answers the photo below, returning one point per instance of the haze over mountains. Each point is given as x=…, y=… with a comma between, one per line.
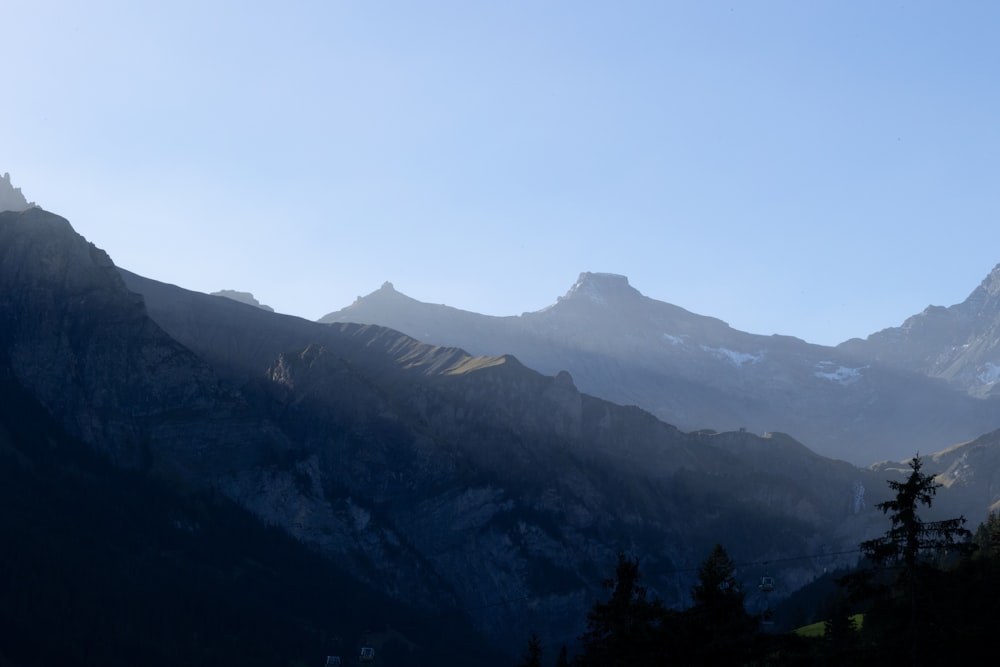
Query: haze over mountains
x=459, y=483
x=899, y=392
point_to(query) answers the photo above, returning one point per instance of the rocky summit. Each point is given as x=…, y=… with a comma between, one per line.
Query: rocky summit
x=11, y=198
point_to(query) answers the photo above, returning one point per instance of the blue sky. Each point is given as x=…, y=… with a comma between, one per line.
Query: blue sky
x=817, y=169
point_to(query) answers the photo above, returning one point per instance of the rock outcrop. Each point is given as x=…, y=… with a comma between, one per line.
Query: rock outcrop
x=11, y=198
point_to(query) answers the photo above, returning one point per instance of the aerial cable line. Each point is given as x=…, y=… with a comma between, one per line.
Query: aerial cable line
x=501, y=603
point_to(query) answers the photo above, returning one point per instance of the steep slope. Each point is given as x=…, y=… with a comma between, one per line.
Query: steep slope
x=83, y=345
x=971, y=474
x=697, y=372
x=960, y=343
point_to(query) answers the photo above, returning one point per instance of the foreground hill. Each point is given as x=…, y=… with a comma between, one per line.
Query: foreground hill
x=697, y=372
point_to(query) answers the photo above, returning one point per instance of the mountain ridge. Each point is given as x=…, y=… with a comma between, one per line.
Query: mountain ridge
x=697, y=372
x=959, y=344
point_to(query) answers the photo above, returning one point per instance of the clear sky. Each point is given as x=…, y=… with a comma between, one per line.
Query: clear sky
x=816, y=169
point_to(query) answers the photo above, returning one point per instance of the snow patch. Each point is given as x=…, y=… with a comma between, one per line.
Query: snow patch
x=673, y=340
x=841, y=374
x=990, y=373
x=960, y=470
x=734, y=357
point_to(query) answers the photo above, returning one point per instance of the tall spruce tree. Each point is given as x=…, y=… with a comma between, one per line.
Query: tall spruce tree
x=717, y=591
x=910, y=538
x=719, y=629
x=623, y=630
x=533, y=654
x=902, y=618
x=987, y=537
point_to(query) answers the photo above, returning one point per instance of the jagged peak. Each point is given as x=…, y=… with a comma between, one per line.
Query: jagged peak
x=991, y=284
x=987, y=292
x=11, y=198
x=601, y=288
x=385, y=296
x=386, y=291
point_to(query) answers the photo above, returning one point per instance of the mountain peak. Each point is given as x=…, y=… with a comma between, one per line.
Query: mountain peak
x=242, y=297
x=385, y=299
x=601, y=288
x=984, y=300
x=11, y=198
x=992, y=282
x=387, y=293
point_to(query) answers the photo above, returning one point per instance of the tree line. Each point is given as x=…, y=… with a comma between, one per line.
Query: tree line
x=925, y=592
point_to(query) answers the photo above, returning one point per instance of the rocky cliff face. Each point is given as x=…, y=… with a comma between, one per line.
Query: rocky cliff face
x=82, y=343
x=697, y=372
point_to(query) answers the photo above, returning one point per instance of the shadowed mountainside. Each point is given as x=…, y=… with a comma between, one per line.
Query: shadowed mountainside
x=448, y=483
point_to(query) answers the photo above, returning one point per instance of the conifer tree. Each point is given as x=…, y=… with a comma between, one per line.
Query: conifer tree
x=623, y=630
x=718, y=626
x=903, y=614
x=987, y=537
x=840, y=634
x=910, y=537
x=533, y=655
x=717, y=590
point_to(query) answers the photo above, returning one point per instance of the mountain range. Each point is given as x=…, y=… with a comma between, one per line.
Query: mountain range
x=931, y=382
x=431, y=480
